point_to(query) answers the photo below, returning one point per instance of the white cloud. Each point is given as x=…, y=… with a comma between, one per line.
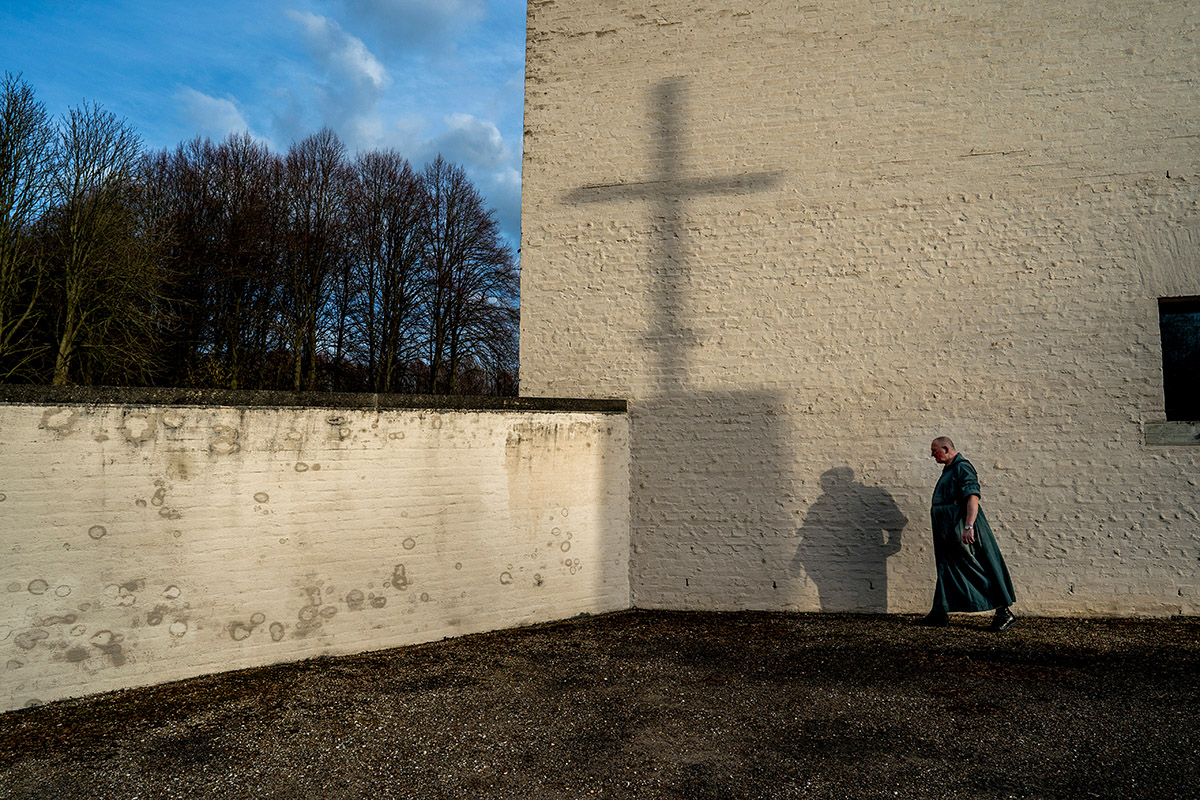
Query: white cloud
x=472, y=142
x=350, y=83
x=479, y=148
x=418, y=24
x=503, y=192
x=214, y=117
x=350, y=90
x=342, y=54
x=290, y=118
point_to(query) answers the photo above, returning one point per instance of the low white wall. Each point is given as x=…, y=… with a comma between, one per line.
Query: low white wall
x=144, y=543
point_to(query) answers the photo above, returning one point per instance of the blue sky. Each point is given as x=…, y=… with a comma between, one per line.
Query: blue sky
x=422, y=76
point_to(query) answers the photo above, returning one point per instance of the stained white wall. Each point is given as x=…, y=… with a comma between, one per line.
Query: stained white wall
x=143, y=544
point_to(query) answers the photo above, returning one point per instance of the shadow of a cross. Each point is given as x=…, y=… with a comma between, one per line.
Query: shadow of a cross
x=666, y=189
x=719, y=452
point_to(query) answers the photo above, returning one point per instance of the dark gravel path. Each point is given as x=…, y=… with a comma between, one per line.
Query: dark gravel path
x=657, y=705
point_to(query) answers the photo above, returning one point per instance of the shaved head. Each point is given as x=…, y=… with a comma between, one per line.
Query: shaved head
x=942, y=450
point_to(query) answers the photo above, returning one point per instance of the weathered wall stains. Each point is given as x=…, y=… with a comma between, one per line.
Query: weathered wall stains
x=138, y=427
x=225, y=440
x=59, y=420
x=537, y=455
x=144, y=544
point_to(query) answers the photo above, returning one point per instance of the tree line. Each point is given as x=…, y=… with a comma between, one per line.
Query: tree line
x=225, y=265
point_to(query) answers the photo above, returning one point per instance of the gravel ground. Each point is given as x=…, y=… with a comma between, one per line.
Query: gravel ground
x=657, y=705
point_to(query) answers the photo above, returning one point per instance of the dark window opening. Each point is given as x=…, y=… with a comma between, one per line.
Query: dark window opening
x=1179, y=321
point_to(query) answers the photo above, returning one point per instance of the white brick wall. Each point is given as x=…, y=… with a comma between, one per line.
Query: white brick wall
x=144, y=544
x=806, y=239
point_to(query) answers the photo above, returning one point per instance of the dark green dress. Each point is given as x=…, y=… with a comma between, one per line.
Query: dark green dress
x=970, y=577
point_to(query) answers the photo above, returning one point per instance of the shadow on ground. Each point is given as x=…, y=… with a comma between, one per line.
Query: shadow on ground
x=656, y=705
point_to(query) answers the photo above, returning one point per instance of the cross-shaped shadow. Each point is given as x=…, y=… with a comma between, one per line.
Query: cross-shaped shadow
x=713, y=474
x=667, y=189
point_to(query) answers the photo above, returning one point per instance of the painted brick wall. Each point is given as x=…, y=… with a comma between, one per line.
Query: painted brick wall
x=144, y=544
x=804, y=239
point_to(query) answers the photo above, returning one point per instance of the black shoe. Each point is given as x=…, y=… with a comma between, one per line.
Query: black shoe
x=1003, y=620
x=934, y=619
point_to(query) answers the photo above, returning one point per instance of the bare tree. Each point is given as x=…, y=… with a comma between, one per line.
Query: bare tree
x=26, y=170
x=317, y=179
x=223, y=206
x=177, y=192
x=250, y=185
x=471, y=279
x=386, y=245
x=102, y=262
x=226, y=265
x=342, y=372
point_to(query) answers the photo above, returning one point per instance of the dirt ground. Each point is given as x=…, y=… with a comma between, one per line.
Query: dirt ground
x=657, y=705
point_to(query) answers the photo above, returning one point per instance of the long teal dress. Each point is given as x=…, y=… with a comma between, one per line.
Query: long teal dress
x=970, y=577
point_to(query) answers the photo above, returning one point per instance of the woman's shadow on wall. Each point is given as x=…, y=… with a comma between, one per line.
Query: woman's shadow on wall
x=845, y=541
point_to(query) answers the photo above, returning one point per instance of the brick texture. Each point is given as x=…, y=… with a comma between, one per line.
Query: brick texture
x=804, y=239
x=147, y=544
